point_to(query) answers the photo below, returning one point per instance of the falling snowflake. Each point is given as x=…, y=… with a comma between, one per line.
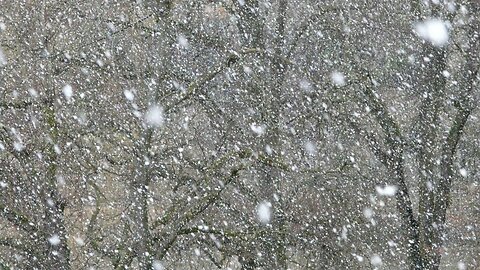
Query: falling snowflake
x=264, y=212
x=3, y=58
x=376, y=260
x=67, y=91
x=311, y=148
x=79, y=241
x=154, y=116
x=182, y=41
x=33, y=93
x=434, y=31
x=358, y=257
x=368, y=212
x=338, y=78
x=129, y=95
x=157, y=265
x=258, y=129
x=305, y=85
x=54, y=240
x=18, y=146
x=388, y=190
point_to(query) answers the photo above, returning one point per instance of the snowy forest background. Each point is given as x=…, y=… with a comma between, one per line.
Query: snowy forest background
x=239, y=134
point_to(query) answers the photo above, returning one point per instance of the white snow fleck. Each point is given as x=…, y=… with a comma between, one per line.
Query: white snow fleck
x=18, y=146
x=344, y=233
x=50, y=202
x=111, y=27
x=375, y=260
x=61, y=181
x=338, y=78
x=157, y=265
x=57, y=149
x=54, y=240
x=182, y=41
x=429, y=185
x=368, y=212
x=258, y=129
x=463, y=172
x=79, y=241
x=129, y=94
x=388, y=190
x=67, y=91
x=197, y=252
x=264, y=212
x=33, y=93
x=154, y=116
x=461, y=266
x=305, y=85
x=3, y=58
x=248, y=70
x=358, y=257
x=451, y=7
x=446, y=74
x=137, y=114
x=311, y=148
x=241, y=2
x=433, y=30
x=3, y=184
x=411, y=59
x=268, y=149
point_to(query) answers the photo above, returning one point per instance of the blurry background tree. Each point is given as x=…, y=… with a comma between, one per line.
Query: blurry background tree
x=240, y=134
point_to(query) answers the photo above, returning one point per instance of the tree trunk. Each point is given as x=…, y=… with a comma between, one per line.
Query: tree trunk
x=56, y=253
x=138, y=213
